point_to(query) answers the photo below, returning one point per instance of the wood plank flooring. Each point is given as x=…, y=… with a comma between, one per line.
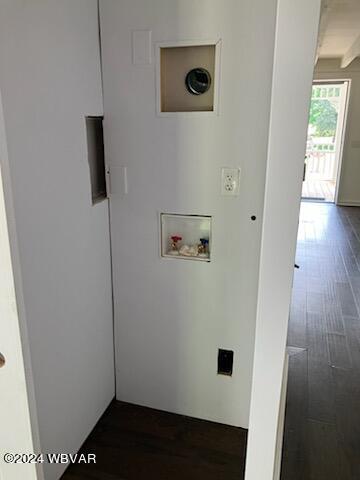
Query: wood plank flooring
x=138, y=443
x=322, y=426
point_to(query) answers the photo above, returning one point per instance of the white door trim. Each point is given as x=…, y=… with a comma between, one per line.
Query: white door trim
x=341, y=124
x=341, y=133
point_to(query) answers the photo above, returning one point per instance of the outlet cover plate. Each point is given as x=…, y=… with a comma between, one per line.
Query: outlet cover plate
x=230, y=181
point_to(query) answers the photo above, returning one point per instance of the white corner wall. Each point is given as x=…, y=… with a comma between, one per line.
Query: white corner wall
x=50, y=79
x=349, y=180
x=171, y=315
x=295, y=46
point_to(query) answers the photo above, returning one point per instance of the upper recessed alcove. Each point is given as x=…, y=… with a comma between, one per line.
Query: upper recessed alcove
x=187, y=78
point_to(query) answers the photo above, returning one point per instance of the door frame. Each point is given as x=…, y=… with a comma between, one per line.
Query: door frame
x=341, y=126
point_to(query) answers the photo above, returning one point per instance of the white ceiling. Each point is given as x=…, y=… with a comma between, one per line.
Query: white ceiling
x=340, y=30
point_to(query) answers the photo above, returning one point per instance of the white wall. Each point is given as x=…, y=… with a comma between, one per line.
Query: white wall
x=49, y=79
x=171, y=315
x=19, y=432
x=296, y=35
x=349, y=181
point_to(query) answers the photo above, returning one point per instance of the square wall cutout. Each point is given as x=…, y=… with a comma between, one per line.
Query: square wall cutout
x=96, y=157
x=187, y=78
x=186, y=237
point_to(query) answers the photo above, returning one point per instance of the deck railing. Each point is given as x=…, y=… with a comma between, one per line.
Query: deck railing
x=322, y=164
x=321, y=158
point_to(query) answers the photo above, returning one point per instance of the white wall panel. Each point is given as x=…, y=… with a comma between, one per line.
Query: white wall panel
x=50, y=79
x=296, y=38
x=172, y=316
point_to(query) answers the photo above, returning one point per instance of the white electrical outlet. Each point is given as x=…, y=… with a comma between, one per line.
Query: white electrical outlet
x=230, y=181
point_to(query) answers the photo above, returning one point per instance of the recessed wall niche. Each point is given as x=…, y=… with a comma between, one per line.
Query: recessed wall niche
x=96, y=157
x=187, y=78
x=186, y=237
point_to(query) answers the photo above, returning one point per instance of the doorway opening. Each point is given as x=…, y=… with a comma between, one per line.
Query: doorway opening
x=325, y=140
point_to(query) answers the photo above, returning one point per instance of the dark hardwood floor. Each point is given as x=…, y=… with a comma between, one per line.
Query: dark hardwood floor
x=322, y=426
x=137, y=443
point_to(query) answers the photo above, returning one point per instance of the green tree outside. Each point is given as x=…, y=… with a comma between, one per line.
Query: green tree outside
x=323, y=117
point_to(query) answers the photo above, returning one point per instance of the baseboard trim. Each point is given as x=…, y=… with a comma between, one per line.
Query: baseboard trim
x=348, y=204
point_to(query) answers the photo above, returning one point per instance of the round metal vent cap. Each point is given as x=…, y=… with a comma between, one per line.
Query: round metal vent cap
x=198, y=81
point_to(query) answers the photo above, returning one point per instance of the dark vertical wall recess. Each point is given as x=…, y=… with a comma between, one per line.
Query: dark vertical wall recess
x=95, y=143
x=225, y=362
